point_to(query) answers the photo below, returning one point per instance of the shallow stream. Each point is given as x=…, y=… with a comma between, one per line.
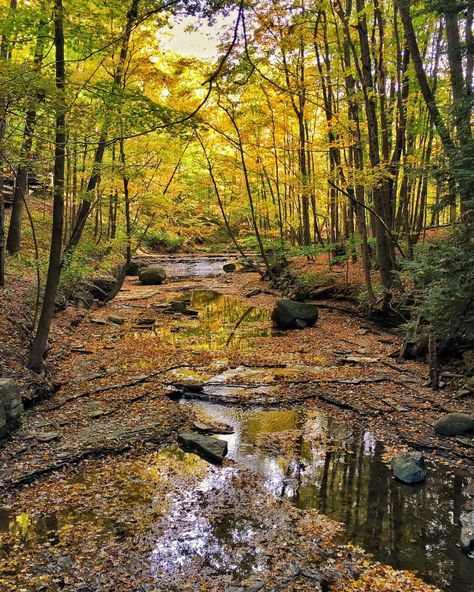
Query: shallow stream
x=340, y=472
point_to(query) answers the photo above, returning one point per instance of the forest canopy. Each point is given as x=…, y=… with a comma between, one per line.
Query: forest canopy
x=341, y=126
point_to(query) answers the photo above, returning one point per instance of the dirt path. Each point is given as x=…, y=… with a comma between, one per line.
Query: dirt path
x=117, y=364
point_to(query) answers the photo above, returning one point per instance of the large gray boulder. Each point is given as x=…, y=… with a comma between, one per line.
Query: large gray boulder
x=11, y=406
x=409, y=468
x=152, y=276
x=210, y=449
x=289, y=314
x=454, y=424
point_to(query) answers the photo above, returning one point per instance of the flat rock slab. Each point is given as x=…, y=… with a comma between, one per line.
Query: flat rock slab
x=210, y=449
x=205, y=428
x=47, y=436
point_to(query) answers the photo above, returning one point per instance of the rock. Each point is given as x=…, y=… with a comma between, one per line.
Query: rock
x=229, y=267
x=189, y=385
x=117, y=320
x=136, y=265
x=47, y=436
x=409, y=468
x=255, y=587
x=146, y=321
x=179, y=305
x=208, y=448
x=11, y=406
x=287, y=312
x=467, y=388
x=204, y=428
x=190, y=313
x=358, y=360
x=101, y=286
x=98, y=321
x=454, y=424
x=467, y=531
x=152, y=276
x=83, y=299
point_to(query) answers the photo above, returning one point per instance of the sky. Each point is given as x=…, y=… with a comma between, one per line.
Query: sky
x=201, y=43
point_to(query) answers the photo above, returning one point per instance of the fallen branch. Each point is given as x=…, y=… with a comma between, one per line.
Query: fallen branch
x=134, y=382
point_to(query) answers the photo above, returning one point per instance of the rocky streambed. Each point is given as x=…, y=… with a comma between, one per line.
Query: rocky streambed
x=307, y=423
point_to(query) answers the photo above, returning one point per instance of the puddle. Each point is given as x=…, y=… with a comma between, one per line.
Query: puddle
x=200, y=266
x=339, y=471
x=223, y=322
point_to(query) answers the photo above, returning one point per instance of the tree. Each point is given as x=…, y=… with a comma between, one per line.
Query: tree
x=38, y=346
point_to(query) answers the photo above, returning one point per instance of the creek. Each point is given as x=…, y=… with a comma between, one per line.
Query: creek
x=295, y=452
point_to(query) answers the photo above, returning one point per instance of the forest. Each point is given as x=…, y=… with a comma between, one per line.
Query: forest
x=236, y=295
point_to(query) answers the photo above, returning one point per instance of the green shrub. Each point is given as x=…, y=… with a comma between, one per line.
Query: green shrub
x=72, y=276
x=163, y=241
x=442, y=279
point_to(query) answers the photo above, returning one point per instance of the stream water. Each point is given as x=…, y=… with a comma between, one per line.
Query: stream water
x=189, y=266
x=340, y=472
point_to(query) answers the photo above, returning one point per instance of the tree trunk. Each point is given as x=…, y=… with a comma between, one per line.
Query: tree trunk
x=38, y=347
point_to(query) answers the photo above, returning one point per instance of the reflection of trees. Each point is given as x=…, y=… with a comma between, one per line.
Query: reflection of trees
x=341, y=474
x=408, y=526
x=223, y=321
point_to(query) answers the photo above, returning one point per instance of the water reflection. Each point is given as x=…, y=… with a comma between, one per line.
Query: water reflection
x=223, y=321
x=193, y=539
x=340, y=472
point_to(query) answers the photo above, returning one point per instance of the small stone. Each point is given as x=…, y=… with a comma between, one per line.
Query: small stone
x=255, y=587
x=190, y=313
x=179, y=305
x=229, y=267
x=117, y=320
x=146, y=321
x=358, y=360
x=98, y=321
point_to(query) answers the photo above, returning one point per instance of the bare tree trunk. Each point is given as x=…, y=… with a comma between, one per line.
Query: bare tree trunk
x=38, y=347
